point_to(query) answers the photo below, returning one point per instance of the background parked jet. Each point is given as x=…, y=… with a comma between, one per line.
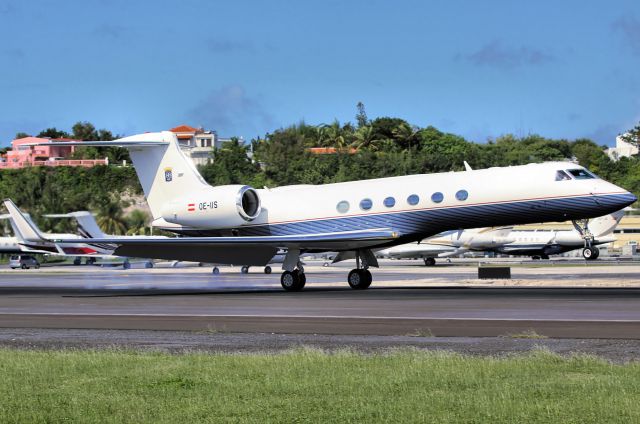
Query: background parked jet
x=450, y=243
x=535, y=243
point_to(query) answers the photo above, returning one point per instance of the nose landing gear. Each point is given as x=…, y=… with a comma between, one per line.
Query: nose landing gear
x=590, y=252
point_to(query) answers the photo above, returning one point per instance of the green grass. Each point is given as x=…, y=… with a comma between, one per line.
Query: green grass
x=311, y=386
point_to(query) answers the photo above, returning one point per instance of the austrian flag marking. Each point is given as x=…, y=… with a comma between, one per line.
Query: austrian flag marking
x=191, y=207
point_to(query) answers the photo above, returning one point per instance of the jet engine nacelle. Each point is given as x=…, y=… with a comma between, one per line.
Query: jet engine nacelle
x=215, y=207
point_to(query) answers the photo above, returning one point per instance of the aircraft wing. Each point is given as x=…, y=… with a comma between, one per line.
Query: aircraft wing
x=254, y=250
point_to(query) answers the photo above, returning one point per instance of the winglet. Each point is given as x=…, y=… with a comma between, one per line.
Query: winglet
x=467, y=167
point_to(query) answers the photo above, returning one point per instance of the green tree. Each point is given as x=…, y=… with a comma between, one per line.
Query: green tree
x=137, y=222
x=361, y=116
x=21, y=135
x=110, y=216
x=53, y=133
x=230, y=165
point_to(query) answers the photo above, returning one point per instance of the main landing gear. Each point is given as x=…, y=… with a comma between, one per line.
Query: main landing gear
x=293, y=278
x=590, y=252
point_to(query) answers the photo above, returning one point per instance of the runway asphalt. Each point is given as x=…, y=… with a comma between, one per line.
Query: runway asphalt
x=404, y=299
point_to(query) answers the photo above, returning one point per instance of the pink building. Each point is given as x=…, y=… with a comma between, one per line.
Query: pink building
x=49, y=155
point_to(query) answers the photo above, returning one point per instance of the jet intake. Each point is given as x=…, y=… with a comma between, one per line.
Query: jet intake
x=215, y=207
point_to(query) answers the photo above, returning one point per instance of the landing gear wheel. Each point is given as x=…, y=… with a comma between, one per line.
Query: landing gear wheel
x=215, y=270
x=267, y=269
x=148, y=264
x=429, y=261
x=589, y=253
x=126, y=265
x=77, y=261
x=293, y=280
x=359, y=279
x=544, y=256
x=244, y=270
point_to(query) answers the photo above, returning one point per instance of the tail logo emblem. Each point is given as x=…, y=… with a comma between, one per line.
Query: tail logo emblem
x=168, y=174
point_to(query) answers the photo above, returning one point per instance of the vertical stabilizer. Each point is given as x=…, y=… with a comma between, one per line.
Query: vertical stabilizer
x=164, y=171
x=23, y=228
x=604, y=225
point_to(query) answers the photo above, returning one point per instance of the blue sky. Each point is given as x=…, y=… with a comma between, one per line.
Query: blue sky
x=564, y=69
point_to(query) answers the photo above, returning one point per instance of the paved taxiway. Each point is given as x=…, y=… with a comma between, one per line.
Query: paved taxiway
x=405, y=299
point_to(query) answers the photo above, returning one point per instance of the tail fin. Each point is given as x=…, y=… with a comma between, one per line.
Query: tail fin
x=604, y=225
x=163, y=169
x=87, y=225
x=24, y=228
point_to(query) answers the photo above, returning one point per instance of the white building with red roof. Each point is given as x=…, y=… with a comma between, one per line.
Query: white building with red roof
x=197, y=143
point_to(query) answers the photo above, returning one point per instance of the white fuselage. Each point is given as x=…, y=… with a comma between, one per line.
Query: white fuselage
x=423, y=205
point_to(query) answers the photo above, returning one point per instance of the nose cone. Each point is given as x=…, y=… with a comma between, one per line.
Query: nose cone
x=626, y=199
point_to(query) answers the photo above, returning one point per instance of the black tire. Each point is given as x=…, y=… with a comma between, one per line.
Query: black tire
x=544, y=257
x=215, y=270
x=77, y=261
x=359, y=279
x=596, y=253
x=302, y=279
x=429, y=261
x=290, y=280
x=148, y=264
x=267, y=269
x=126, y=265
x=588, y=253
x=244, y=270
x=535, y=258
x=24, y=266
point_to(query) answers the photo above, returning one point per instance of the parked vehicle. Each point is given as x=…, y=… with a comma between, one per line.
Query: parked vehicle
x=23, y=261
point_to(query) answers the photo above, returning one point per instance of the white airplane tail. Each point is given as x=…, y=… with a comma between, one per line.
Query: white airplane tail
x=163, y=170
x=87, y=225
x=604, y=225
x=24, y=229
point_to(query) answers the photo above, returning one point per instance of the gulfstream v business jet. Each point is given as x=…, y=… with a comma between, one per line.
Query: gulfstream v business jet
x=240, y=224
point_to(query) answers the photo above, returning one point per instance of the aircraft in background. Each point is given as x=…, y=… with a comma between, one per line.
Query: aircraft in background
x=450, y=243
x=539, y=244
x=239, y=224
x=32, y=240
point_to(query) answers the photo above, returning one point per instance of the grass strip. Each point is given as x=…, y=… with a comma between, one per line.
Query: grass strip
x=313, y=386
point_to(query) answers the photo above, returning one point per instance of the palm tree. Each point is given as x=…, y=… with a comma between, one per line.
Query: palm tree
x=137, y=221
x=110, y=217
x=365, y=138
x=406, y=135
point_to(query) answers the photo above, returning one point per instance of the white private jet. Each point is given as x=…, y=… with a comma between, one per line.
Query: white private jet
x=240, y=224
x=542, y=243
x=450, y=243
x=535, y=243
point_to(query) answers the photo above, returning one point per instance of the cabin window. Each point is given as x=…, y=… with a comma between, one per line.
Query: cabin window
x=581, y=174
x=413, y=199
x=389, y=202
x=343, y=206
x=462, y=195
x=562, y=176
x=365, y=204
x=437, y=197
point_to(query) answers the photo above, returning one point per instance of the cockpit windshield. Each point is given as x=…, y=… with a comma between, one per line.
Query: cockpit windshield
x=581, y=174
x=562, y=176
